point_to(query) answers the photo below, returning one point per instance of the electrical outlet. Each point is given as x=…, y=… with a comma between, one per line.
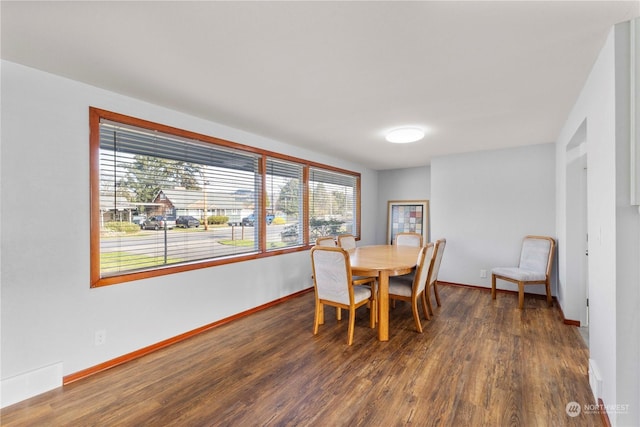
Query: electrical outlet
x=483, y=274
x=100, y=337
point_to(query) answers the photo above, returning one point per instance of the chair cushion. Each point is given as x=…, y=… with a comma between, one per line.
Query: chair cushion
x=360, y=293
x=519, y=274
x=400, y=286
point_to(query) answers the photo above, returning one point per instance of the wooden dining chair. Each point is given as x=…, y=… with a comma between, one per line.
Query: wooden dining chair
x=325, y=241
x=534, y=268
x=408, y=239
x=330, y=242
x=334, y=286
x=433, y=277
x=346, y=241
x=402, y=289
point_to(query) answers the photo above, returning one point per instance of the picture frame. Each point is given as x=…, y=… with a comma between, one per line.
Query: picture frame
x=407, y=216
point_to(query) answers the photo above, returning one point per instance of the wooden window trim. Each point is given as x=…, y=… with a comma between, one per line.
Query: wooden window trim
x=95, y=117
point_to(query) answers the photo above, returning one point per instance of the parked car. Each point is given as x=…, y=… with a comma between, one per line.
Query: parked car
x=186, y=221
x=290, y=233
x=251, y=219
x=138, y=219
x=158, y=222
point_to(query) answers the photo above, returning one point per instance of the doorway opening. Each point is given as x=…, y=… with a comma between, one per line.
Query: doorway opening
x=577, y=246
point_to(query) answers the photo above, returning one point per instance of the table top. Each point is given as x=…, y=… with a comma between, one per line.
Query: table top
x=390, y=258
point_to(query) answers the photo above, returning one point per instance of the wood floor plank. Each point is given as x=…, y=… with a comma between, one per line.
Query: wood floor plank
x=479, y=362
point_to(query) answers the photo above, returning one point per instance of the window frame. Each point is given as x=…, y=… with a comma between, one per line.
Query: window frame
x=96, y=115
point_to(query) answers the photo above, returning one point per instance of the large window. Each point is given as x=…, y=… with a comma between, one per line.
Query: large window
x=333, y=198
x=165, y=200
x=284, y=200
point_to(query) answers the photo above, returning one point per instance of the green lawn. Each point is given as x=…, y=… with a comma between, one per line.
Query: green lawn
x=249, y=243
x=116, y=261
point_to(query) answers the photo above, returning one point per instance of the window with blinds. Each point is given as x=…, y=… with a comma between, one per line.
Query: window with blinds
x=177, y=190
x=165, y=200
x=333, y=203
x=284, y=190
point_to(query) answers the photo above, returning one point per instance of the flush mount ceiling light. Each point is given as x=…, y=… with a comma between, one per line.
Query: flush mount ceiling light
x=405, y=135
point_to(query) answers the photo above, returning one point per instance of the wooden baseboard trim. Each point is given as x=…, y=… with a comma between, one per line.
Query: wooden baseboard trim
x=488, y=289
x=68, y=379
x=568, y=321
x=604, y=417
x=462, y=285
x=506, y=291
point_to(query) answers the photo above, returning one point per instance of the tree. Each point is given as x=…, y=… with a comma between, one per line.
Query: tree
x=339, y=203
x=289, y=198
x=147, y=175
x=319, y=203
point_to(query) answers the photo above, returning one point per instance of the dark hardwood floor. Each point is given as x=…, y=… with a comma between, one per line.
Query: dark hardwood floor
x=478, y=363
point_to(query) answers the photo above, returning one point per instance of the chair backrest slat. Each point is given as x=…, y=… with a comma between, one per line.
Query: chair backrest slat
x=346, y=241
x=408, y=239
x=437, y=260
x=536, y=254
x=332, y=274
x=424, y=267
x=326, y=241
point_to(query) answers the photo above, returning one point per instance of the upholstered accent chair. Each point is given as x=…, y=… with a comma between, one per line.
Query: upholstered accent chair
x=334, y=286
x=534, y=268
x=346, y=241
x=408, y=239
x=410, y=290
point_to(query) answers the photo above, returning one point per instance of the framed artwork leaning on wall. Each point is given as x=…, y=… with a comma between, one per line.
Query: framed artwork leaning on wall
x=407, y=216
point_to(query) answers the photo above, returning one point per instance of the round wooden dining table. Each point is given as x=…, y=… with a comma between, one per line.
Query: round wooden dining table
x=383, y=261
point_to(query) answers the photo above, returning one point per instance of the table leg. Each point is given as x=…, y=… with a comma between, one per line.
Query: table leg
x=383, y=304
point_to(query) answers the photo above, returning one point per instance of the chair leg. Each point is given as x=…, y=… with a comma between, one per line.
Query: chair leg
x=548, y=286
x=321, y=314
x=493, y=286
x=373, y=314
x=373, y=307
x=352, y=322
x=425, y=299
x=520, y=295
x=416, y=315
x=317, y=318
x=435, y=291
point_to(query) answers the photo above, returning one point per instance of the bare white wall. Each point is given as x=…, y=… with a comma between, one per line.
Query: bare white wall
x=484, y=203
x=613, y=227
x=400, y=184
x=49, y=312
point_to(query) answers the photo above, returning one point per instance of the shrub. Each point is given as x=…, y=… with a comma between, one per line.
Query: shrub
x=217, y=219
x=290, y=233
x=278, y=220
x=122, y=227
x=323, y=227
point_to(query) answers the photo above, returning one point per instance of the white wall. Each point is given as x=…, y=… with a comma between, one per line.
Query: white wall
x=613, y=227
x=49, y=312
x=400, y=184
x=484, y=203
x=627, y=239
